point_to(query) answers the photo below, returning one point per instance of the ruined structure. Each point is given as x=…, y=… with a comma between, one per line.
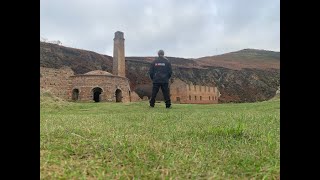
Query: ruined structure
x=98, y=85
x=182, y=92
x=93, y=86
x=57, y=81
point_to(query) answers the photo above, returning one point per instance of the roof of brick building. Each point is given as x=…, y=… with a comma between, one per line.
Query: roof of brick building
x=98, y=72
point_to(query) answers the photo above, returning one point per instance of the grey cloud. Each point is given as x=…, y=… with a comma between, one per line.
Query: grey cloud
x=182, y=28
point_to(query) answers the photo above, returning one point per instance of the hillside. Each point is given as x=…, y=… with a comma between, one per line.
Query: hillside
x=246, y=58
x=243, y=76
x=80, y=61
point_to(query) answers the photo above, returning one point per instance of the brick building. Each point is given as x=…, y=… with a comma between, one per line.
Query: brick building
x=100, y=86
x=188, y=93
x=94, y=86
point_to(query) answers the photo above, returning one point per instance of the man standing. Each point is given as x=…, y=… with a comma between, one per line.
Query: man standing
x=160, y=72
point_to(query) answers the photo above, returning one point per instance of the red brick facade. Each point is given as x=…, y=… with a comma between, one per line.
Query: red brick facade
x=109, y=88
x=90, y=87
x=184, y=93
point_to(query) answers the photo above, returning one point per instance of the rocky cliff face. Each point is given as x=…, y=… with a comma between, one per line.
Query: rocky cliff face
x=237, y=83
x=245, y=85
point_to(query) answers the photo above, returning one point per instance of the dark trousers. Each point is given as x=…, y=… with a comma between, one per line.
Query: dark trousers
x=165, y=91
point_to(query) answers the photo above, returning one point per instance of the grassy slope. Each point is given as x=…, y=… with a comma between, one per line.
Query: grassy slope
x=112, y=140
x=246, y=58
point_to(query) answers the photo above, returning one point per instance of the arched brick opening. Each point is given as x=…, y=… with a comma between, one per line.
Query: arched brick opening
x=96, y=92
x=75, y=94
x=118, y=95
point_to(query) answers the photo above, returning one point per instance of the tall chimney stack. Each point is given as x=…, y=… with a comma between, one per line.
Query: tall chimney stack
x=119, y=67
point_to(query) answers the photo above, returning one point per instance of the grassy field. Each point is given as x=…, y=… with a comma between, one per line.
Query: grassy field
x=133, y=141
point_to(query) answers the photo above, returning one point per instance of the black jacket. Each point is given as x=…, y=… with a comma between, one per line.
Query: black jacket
x=160, y=70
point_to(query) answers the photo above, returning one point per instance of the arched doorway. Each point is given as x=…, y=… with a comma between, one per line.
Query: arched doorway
x=96, y=92
x=75, y=94
x=118, y=95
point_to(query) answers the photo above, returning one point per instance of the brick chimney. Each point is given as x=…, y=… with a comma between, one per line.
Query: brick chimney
x=119, y=67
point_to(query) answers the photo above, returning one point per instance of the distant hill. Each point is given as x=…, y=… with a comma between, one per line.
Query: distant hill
x=246, y=58
x=248, y=75
x=80, y=61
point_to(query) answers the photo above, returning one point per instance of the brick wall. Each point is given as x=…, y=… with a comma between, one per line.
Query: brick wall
x=182, y=92
x=57, y=81
x=108, y=84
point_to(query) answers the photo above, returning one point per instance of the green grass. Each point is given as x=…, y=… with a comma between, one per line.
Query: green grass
x=131, y=140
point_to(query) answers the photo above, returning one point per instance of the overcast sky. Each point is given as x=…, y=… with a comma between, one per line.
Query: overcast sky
x=182, y=28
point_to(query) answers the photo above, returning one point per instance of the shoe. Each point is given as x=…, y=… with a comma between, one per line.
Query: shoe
x=168, y=107
x=151, y=106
